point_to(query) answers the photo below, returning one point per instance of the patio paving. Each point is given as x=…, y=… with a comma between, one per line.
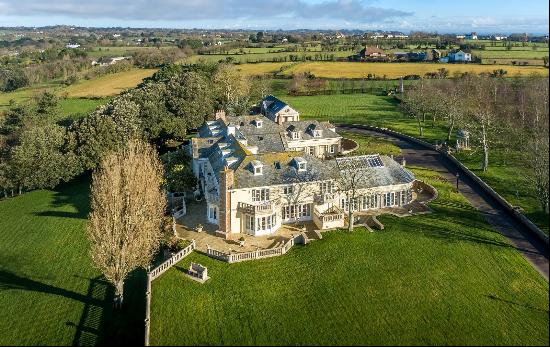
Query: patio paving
x=196, y=214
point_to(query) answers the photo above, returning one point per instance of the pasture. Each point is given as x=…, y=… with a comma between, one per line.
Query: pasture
x=424, y=280
x=108, y=85
x=396, y=70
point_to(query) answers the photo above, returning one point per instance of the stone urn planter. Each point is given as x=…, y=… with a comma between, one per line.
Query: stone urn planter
x=241, y=241
x=199, y=228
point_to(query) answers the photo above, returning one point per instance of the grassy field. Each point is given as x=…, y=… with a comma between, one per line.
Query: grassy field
x=50, y=293
x=116, y=51
x=24, y=94
x=108, y=85
x=506, y=171
x=438, y=279
x=396, y=70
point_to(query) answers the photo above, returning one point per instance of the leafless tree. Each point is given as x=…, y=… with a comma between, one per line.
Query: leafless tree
x=537, y=153
x=351, y=179
x=481, y=116
x=127, y=208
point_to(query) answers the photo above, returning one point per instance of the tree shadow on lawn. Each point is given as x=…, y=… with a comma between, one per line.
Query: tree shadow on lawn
x=99, y=323
x=75, y=193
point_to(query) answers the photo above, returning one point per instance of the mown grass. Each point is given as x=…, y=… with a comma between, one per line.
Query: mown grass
x=439, y=279
x=370, y=145
x=50, y=293
x=506, y=169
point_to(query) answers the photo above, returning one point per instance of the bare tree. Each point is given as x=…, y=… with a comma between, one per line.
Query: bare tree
x=417, y=104
x=352, y=177
x=537, y=154
x=481, y=115
x=127, y=207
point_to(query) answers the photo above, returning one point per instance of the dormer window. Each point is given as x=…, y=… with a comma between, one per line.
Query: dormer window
x=257, y=167
x=317, y=133
x=301, y=164
x=259, y=123
x=295, y=135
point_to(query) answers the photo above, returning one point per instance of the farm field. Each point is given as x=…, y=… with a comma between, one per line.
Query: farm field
x=526, y=53
x=113, y=51
x=108, y=85
x=261, y=57
x=425, y=280
x=50, y=293
x=396, y=70
x=101, y=87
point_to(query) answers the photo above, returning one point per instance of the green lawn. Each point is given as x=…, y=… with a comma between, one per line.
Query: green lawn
x=443, y=278
x=49, y=292
x=506, y=177
x=78, y=107
x=369, y=109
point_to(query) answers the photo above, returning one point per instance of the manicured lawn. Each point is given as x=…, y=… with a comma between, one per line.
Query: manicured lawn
x=371, y=145
x=49, y=292
x=443, y=278
x=506, y=171
x=369, y=109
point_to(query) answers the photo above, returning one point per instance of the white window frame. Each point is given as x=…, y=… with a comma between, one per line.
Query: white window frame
x=259, y=195
x=287, y=190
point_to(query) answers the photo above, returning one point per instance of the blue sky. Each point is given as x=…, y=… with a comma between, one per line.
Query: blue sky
x=483, y=16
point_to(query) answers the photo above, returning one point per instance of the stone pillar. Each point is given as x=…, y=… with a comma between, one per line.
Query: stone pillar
x=226, y=184
x=195, y=147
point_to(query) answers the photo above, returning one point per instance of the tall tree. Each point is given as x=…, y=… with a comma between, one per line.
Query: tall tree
x=127, y=208
x=233, y=88
x=190, y=98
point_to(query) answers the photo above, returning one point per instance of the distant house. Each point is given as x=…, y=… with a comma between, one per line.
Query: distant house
x=436, y=54
x=471, y=36
x=459, y=56
x=107, y=61
x=417, y=56
x=460, y=36
x=372, y=52
x=72, y=45
x=499, y=37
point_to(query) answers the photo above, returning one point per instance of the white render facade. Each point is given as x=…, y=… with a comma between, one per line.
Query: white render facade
x=257, y=172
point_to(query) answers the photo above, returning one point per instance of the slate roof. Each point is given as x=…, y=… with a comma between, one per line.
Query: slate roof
x=273, y=104
x=389, y=173
x=279, y=168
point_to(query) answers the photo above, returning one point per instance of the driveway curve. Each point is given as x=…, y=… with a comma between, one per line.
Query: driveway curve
x=530, y=246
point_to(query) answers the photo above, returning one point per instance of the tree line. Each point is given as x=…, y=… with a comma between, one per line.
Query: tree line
x=498, y=113
x=37, y=150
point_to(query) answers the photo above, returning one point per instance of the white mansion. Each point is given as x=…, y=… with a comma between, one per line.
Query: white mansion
x=260, y=170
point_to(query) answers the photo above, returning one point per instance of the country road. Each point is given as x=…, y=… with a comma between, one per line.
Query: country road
x=530, y=246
